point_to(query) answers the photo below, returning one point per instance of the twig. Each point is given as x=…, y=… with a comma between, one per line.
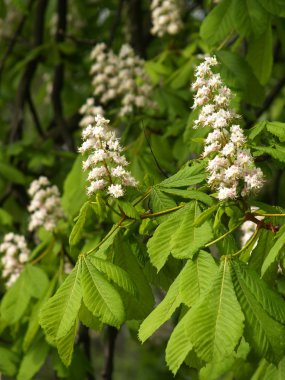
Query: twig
x=84, y=339
x=29, y=72
x=14, y=39
x=109, y=351
x=35, y=115
x=59, y=76
x=159, y=213
x=137, y=37
x=153, y=155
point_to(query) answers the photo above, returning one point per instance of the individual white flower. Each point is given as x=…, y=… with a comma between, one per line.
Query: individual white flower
x=105, y=162
x=231, y=167
x=166, y=17
x=14, y=254
x=45, y=206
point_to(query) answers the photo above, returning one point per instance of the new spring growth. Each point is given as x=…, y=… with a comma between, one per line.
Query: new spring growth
x=231, y=168
x=15, y=253
x=45, y=207
x=121, y=77
x=105, y=162
x=166, y=17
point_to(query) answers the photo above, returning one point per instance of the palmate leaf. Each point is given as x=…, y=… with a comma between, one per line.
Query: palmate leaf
x=99, y=296
x=215, y=323
x=160, y=201
x=187, y=176
x=178, y=347
x=192, y=281
x=118, y=275
x=76, y=232
x=60, y=312
x=265, y=334
x=178, y=236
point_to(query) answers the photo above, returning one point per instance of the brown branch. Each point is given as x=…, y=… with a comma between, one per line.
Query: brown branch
x=29, y=72
x=35, y=115
x=15, y=37
x=116, y=22
x=84, y=339
x=59, y=76
x=137, y=36
x=109, y=351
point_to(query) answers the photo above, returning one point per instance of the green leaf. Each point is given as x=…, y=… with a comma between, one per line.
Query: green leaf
x=278, y=153
x=178, y=236
x=187, y=176
x=178, y=347
x=160, y=201
x=12, y=306
x=9, y=362
x=74, y=194
x=190, y=194
x=100, y=297
x=271, y=302
x=277, y=129
x=239, y=76
x=274, y=252
x=125, y=256
x=188, y=233
x=197, y=278
x=36, y=280
x=11, y=174
x=33, y=360
x=5, y=218
x=76, y=232
x=215, y=323
x=257, y=129
x=219, y=23
x=88, y=319
x=128, y=209
x=65, y=344
x=118, y=275
x=273, y=373
x=250, y=18
x=259, y=253
x=265, y=335
x=60, y=312
x=191, y=282
x=276, y=7
x=202, y=217
x=260, y=56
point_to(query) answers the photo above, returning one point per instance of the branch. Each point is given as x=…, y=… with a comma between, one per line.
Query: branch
x=14, y=39
x=27, y=78
x=59, y=76
x=116, y=22
x=84, y=338
x=109, y=351
x=137, y=37
x=35, y=115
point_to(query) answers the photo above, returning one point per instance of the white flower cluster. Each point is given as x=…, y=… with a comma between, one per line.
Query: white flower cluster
x=120, y=77
x=231, y=166
x=45, y=207
x=105, y=162
x=89, y=111
x=15, y=254
x=166, y=17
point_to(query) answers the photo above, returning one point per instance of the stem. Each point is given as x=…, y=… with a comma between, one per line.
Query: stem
x=248, y=243
x=261, y=214
x=145, y=216
x=226, y=234
x=107, y=372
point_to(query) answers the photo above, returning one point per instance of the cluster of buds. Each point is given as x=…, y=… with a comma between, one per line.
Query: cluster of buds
x=45, y=207
x=105, y=162
x=121, y=77
x=166, y=17
x=231, y=166
x=15, y=254
x=88, y=111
